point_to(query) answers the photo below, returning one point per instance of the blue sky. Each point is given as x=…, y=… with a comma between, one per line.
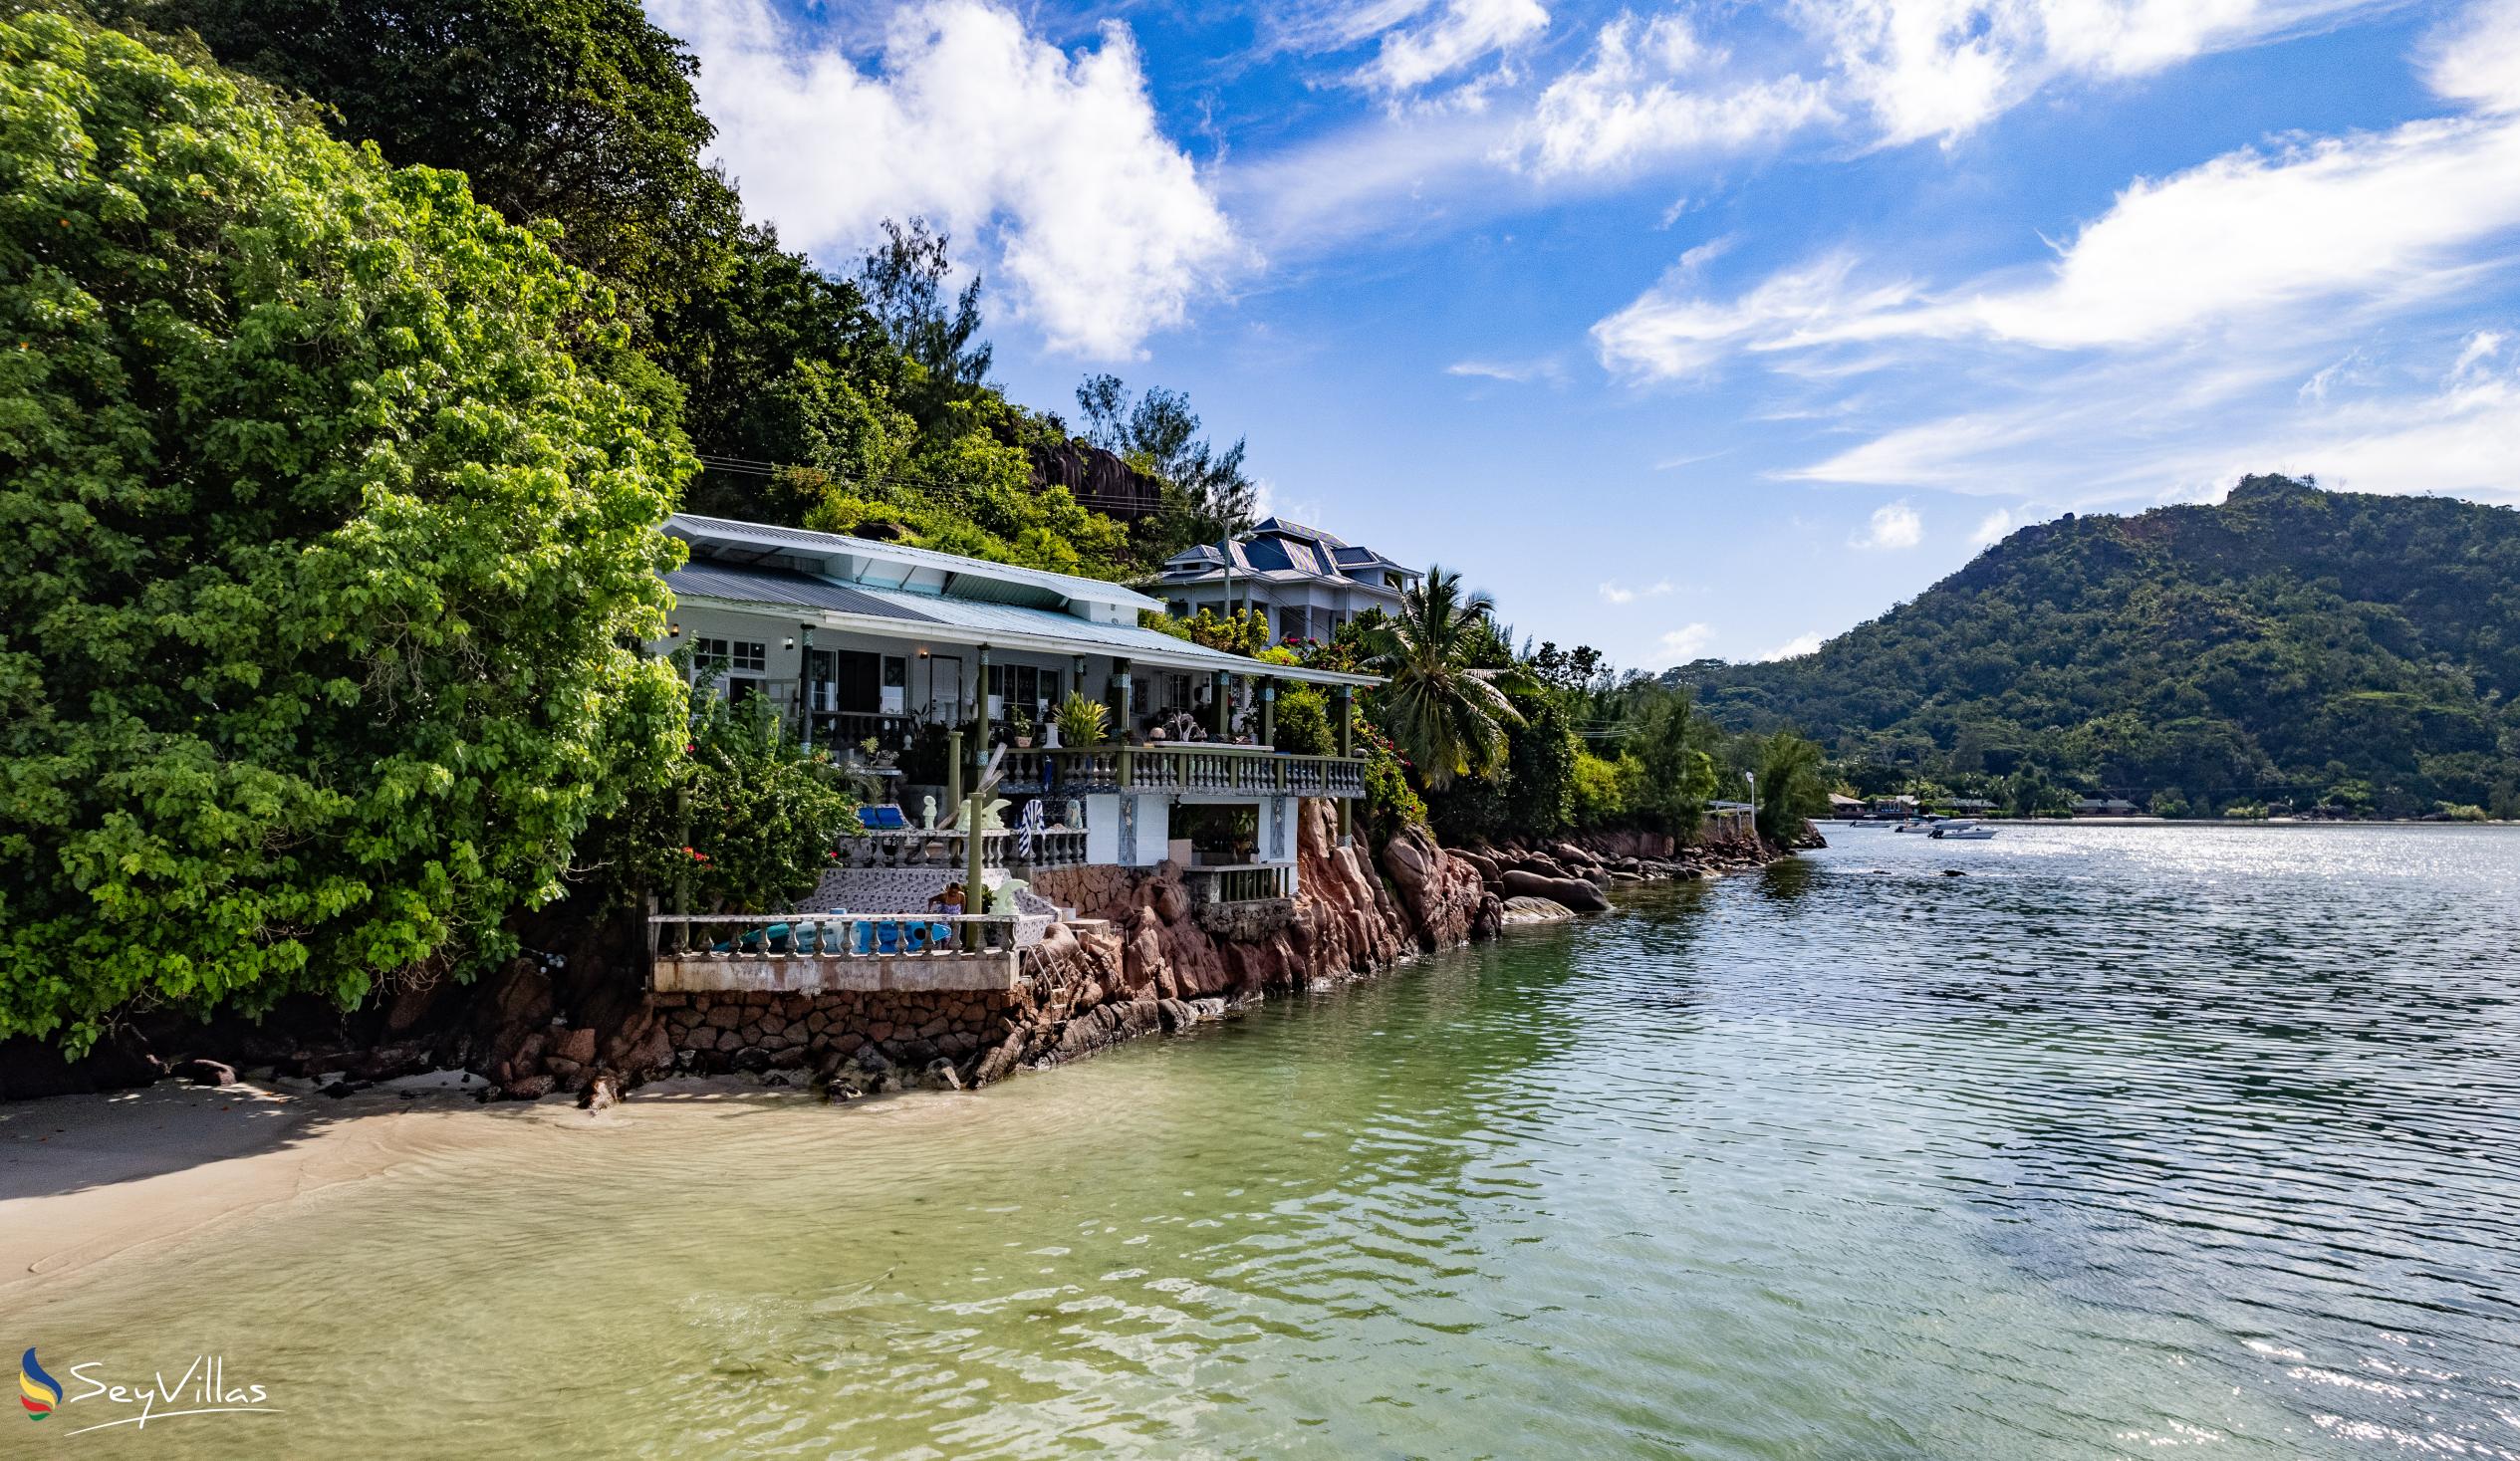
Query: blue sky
x=1699, y=329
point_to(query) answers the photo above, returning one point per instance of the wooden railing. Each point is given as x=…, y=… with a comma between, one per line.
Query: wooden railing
x=916, y=848
x=763, y=937
x=1244, y=770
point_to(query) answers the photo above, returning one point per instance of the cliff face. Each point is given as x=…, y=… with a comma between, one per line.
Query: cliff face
x=1153, y=964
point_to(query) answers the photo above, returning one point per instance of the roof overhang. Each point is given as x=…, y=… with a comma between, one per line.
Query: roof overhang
x=1186, y=656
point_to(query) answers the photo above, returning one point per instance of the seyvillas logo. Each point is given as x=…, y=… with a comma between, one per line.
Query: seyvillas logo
x=37, y=1392
x=203, y=1388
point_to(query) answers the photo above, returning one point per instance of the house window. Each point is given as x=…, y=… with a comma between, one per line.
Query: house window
x=717, y=657
x=1294, y=623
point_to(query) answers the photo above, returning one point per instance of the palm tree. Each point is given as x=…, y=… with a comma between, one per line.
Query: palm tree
x=1448, y=715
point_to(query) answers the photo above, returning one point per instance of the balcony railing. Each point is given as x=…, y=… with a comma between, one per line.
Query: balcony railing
x=1251, y=883
x=1245, y=769
x=766, y=936
x=916, y=848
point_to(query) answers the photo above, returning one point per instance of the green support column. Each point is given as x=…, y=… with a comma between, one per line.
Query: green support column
x=976, y=898
x=1346, y=746
x=1268, y=712
x=980, y=719
x=953, y=768
x=682, y=870
x=1122, y=693
x=1224, y=706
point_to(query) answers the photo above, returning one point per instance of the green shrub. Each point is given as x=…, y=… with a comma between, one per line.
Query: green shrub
x=322, y=559
x=1598, y=798
x=1391, y=802
x=748, y=815
x=1303, y=727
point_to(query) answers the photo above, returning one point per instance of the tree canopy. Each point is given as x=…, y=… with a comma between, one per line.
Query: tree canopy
x=321, y=556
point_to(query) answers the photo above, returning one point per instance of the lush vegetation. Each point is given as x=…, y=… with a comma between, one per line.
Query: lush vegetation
x=746, y=822
x=356, y=352
x=322, y=551
x=1575, y=745
x=2288, y=649
x=856, y=403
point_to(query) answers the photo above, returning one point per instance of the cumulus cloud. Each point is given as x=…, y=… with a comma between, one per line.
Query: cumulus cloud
x=1795, y=647
x=2477, y=58
x=1460, y=34
x=1993, y=526
x=1633, y=99
x=1689, y=642
x=1615, y=593
x=1893, y=527
x=1106, y=231
x=1942, y=68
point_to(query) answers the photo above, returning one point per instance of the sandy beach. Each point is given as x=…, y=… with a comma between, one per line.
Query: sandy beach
x=86, y=1177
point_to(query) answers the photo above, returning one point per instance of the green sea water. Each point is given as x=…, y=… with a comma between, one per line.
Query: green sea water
x=2130, y=1141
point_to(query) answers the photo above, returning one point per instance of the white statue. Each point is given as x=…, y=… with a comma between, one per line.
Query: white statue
x=1075, y=814
x=1050, y=735
x=992, y=815
x=929, y=812
x=1002, y=898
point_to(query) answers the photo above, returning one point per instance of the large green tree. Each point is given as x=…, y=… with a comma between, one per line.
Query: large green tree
x=322, y=562
x=580, y=111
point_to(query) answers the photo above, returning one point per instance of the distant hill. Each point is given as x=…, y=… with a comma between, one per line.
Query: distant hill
x=2289, y=645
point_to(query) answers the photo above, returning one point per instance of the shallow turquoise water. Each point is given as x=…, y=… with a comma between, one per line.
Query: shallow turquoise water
x=2131, y=1140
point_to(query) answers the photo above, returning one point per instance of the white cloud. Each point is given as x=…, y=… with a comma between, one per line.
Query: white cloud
x=1106, y=230
x=1992, y=527
x=1461, y=34
x=2476, y=59
x=2264, y=297
x=1629, y=104
x=1795, y=647
x=1668, y=333
x=1689, y=642
x=2481, y=348
x=1617, y=593
x=2463, y=439
x=2386, y=220
x=1942, y=68
x=1893, y=527
x=1516, y=372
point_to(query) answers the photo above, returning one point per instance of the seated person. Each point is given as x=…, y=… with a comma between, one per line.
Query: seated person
x=947, y=901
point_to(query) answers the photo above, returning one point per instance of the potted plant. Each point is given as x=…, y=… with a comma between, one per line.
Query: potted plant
x=1081, y=721
x=1020, y=726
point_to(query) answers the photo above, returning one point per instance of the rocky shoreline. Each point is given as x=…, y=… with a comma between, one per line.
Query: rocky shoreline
x=1140, y=959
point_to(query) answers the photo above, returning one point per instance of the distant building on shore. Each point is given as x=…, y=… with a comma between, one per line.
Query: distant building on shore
x=1305, y=580
x=2105, y=807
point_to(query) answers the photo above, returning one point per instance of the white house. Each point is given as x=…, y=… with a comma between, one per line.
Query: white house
x=1306, y=580
x=853, y=639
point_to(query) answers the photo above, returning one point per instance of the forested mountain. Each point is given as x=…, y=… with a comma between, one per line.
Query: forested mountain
x=2289, y=645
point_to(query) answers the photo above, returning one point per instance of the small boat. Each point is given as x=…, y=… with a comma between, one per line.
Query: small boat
x=1917, y=824
x=1963, y=832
